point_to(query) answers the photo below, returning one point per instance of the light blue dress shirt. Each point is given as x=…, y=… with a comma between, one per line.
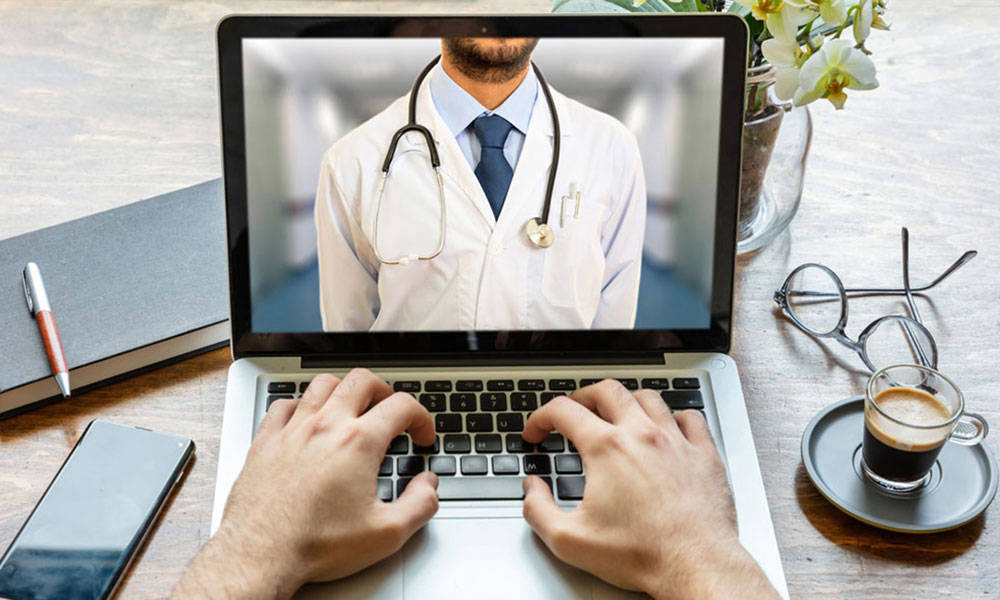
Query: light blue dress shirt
x=459, y=109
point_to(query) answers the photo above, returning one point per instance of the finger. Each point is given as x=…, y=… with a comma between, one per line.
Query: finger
x=398, y=413
x=357, y=391
x=275, y=419
x=694, y=427
x=654, y=406
x=569, y=417
x=610, y=399
x=316, y=395
x=540, y=509
x=414, y=507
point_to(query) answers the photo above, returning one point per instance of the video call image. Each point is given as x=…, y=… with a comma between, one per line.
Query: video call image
x=624, y=240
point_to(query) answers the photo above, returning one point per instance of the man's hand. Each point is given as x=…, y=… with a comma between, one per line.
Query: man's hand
x=656, y=515
x=305, y=506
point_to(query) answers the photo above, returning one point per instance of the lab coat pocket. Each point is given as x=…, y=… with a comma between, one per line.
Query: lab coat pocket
x=574, y=264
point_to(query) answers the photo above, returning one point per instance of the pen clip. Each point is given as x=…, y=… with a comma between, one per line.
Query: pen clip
x=27, y=292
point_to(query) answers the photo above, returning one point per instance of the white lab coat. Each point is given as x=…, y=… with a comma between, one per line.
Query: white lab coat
x=488, y=276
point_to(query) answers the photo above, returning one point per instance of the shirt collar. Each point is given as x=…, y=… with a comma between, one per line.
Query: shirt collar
x=458, y=108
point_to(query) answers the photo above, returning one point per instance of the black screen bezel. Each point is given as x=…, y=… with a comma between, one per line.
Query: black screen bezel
x=361, y=345
x=148, y=520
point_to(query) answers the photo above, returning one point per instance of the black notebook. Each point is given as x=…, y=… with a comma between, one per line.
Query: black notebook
x=131, y=288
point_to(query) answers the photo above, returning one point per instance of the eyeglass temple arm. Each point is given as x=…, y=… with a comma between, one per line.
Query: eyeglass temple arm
x=910, y=336
x=969, y=255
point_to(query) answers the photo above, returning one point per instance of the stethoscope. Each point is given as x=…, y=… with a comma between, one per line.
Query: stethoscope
x=537, y=229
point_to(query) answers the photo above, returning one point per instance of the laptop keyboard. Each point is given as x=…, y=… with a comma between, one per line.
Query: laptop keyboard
x=479, y=453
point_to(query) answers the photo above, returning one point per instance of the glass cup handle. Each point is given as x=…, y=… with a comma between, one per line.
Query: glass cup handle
x=970, y=430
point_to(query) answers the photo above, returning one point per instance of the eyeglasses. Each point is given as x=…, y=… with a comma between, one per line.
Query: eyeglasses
x=815, y=300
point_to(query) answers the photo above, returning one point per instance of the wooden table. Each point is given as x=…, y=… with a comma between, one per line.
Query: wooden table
x=106, y=102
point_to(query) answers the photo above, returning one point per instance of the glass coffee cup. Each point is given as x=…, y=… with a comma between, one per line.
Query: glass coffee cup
x=910, y=412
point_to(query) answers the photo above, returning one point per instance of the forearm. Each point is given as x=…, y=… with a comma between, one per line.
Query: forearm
x=229, y=568
x=733, y=574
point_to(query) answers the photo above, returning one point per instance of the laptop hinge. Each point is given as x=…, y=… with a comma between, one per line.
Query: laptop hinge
x=484, y=359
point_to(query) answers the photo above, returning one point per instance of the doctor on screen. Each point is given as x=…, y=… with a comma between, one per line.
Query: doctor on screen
x=469, y=245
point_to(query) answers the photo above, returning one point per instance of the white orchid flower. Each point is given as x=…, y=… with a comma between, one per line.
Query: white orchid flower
x=837, y=66
x=787, y=59
x=863, y=21
x=833, y=12
x=781, y=18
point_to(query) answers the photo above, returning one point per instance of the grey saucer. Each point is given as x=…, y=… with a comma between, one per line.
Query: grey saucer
x=963, y=481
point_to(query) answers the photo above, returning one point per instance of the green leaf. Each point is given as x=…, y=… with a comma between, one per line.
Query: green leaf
x=738, y=9
x=614, y=6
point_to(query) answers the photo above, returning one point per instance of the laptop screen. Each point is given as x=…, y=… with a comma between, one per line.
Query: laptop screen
x=624, y=240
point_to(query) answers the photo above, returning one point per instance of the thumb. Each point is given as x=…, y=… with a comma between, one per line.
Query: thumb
x=540, y=508
x=418, y=502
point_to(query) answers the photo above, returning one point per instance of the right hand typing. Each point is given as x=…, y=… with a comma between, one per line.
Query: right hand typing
x=656, y=515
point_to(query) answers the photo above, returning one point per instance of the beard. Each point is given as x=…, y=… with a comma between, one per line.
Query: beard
x=492, y=64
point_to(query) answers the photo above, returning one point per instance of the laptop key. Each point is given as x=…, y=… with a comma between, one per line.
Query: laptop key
x=523, y=401
x=493, y=401
x=474, y=465
x=546, y=396
x=384, y=490
x=500, y=385
x=562, y=385
x=409, y=465
x=448, y=423
x=433, y=402
x=517, y=445
x=386, y=467
x=437, y=385
x=463, y=402
x=506, y=465
x=531, y=385
x=480, y=488
x=469, y=385
x=630, y=384
x=510, y=422
x=686, y=383
x=569, y=464
x=281, y=387
x=570, y=488
x=443, y=465
x=586, y=382
x=401, y=484
x=479, y=422
x=553, y=442
x=656, y=383
x=681, y=399
x=433, y=449
x=488, y=443
x=406, y=386
x=457, y=444
x=275, y=397
x=537, y=464
x=303, y=385
x=399, y=445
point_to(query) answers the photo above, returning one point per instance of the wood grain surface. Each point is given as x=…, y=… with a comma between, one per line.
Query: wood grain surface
x=106, y=102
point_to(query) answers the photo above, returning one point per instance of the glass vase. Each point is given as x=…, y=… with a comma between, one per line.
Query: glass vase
x=776, y=139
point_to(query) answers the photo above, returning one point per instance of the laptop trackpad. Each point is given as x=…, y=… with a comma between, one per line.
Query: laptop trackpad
x=456, y=558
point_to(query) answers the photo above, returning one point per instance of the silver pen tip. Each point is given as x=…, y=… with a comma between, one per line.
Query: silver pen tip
x=63, y=380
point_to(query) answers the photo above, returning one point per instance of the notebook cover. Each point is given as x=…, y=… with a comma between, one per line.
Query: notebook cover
x=117, y=280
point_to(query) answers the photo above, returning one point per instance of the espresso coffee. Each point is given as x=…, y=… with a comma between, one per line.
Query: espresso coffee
x=897, y=452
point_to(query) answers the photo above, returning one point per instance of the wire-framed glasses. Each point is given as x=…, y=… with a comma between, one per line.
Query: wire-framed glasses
x=815, y=300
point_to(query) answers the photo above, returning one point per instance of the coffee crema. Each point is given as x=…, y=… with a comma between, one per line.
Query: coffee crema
x=915, y=408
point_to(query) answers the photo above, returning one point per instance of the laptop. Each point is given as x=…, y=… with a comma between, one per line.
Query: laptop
x=637, y=286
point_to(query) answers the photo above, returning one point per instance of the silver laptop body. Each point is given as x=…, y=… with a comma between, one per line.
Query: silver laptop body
x=482, y=548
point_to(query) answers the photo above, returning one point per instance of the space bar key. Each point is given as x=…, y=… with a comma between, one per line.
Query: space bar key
x=480, y=488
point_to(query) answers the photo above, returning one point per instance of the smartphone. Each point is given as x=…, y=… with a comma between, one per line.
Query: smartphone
x=82, y=534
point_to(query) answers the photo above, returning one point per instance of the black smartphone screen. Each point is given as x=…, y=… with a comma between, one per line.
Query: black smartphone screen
x=83, y=532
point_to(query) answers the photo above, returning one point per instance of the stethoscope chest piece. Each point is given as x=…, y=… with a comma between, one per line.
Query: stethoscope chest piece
x=540, y=234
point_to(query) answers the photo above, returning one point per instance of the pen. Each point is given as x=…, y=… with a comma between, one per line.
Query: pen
x=39, y=307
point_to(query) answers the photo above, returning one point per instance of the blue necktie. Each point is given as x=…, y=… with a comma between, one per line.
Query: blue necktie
x=493, y=171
